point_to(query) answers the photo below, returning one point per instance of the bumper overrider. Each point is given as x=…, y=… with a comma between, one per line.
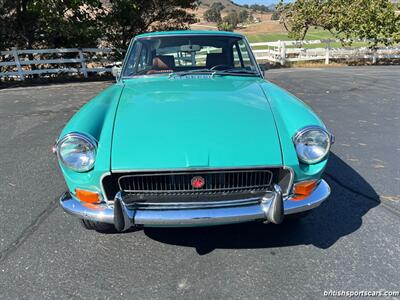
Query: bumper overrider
x=270, y=208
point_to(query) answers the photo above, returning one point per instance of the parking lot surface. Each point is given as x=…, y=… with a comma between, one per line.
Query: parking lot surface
x=351, y=242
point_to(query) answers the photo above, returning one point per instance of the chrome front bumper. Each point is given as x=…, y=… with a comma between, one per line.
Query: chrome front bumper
x=271, y=208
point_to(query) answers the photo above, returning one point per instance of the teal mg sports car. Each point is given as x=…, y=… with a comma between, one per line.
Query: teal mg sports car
x=192, y=134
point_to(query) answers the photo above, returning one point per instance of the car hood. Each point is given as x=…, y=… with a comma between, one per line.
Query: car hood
x=193, y=122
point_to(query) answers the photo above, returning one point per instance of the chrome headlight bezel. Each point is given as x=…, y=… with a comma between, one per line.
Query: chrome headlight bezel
x=306, y=130
x=87, y=140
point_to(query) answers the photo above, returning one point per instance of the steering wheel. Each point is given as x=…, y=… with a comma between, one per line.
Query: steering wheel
x=221, y=67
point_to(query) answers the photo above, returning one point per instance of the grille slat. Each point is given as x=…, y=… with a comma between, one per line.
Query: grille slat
x=181, y=182
x=222, y=184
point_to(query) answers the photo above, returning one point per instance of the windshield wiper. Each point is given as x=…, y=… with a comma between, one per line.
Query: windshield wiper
x=238, y=71
x=202, y=71
x=216, y=72
x=194, y=71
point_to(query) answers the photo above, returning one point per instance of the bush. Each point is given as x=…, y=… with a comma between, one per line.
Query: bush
x=275, y=16
x=212, y=15
x=225, y=26
x=232, y=19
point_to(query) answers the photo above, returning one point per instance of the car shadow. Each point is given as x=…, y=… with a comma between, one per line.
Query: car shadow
x=351, y=198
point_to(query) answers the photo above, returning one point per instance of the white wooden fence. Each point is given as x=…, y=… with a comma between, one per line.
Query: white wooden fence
x=20, y=63
x=293, y=51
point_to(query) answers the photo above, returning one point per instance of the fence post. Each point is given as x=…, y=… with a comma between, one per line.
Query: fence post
x=279, y=51
x=327, y=50
x=282, y=50
x=18, y=64
x=83, y=64
x=374, y=56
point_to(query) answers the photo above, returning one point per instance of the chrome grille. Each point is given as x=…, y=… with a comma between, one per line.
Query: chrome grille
x=215, y=182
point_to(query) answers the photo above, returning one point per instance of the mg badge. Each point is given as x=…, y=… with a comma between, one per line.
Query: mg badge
x=198, y=182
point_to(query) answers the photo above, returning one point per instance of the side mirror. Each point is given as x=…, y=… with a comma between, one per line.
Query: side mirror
x=116, y=71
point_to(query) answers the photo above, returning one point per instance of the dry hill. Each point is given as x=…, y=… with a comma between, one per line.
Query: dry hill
x=229, y=5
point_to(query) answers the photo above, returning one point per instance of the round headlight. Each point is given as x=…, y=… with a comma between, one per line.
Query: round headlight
x=77, y=152
x=312, y=144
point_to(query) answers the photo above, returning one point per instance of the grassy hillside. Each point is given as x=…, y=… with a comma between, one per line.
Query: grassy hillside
x=229, y=5
x=264, y=23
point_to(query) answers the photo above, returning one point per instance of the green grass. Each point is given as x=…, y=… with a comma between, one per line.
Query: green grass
x=314, y=34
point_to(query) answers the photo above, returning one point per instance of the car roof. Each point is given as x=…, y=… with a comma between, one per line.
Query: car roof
x=189, y=32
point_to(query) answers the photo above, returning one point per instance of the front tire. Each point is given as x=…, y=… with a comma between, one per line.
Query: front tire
x=98, y=226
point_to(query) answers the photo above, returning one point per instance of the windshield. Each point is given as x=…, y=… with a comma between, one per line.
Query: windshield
x=220, y=54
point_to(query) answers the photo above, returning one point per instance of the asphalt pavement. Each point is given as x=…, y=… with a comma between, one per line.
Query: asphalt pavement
x=351, y=242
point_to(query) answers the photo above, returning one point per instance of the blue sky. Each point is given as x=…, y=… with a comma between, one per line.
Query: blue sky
x=265, y=2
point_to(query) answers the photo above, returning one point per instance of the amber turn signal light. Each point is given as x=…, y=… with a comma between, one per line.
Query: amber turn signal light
x=303, y=189
x=87, y=196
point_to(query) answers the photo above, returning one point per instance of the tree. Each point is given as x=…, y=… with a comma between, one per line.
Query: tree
x=375, y=20
x=73, y=23
x=218, y=6
x=214, y=13
x=4, y=28
x=298, y=17
x=259, y=7
x=243, y=16
x=127, y=18
x=81, y=23
x=275, y=16
x=56, y=23
x=251, y=17
x=18, y=23
x=232, y=19
x=229, y=22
